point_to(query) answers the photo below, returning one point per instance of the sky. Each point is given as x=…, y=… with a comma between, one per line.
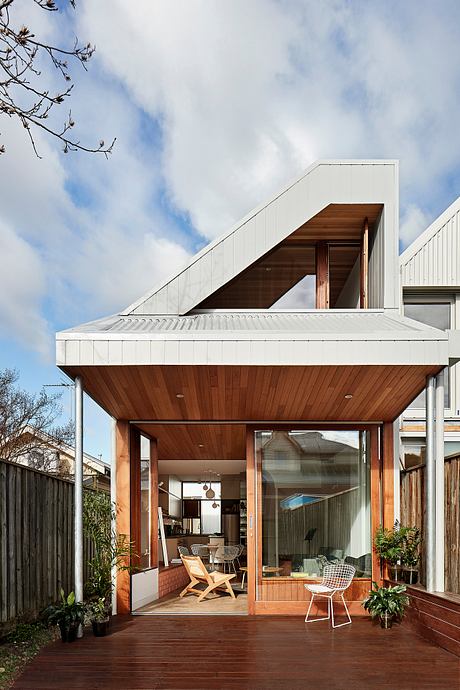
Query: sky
x=215, y=105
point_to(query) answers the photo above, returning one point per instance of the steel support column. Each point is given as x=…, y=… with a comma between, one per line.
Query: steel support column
x=78, y=489
x=113, y=498
x=430, y=487
x=439, y=462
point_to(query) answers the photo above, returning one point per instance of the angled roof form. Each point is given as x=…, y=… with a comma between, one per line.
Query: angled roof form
x=432, y=260
x=322, y=184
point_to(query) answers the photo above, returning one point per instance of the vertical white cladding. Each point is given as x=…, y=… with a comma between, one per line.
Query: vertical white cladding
x=433, y=259
x=324, y=183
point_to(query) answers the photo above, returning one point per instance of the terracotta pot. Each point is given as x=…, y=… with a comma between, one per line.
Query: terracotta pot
x=386, y=620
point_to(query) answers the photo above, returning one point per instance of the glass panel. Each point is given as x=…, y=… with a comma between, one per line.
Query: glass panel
x=414, y=454
x=210, y=517
x=315, y=501
x=436, y=314
x=145, y=503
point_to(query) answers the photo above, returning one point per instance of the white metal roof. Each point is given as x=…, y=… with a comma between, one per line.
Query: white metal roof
x=329, y=337
x=346, y=324
x=323, y=183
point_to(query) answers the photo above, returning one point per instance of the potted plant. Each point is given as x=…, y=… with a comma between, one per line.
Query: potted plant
x=285, y=563
x=410, y=554
x=387, y=603
x=99, y=616
x=68, y=615
x=389, y=545
x=111, y=550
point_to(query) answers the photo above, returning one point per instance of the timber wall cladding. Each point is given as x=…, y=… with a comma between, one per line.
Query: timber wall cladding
x=36, y=541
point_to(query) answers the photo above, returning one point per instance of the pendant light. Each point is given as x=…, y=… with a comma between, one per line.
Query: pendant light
x=210, y=493
x=215, y=505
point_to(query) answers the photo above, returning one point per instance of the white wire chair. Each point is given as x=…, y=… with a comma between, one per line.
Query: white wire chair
x=336, y=578
x=200, y=550
x=226, y=555
x=183, y=551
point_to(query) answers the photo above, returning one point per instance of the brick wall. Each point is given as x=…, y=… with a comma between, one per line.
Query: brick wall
x=172, y=578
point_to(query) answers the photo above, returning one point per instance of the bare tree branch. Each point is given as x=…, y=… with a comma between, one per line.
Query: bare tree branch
x=22, y=93
x=27, y=423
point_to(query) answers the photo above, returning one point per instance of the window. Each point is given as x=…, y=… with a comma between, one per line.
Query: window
x=438, y=315
x=145, y=484
x=315, y=501
x=195, y=503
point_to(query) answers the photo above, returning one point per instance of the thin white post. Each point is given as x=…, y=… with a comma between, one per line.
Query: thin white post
x=439, y=546
x=78, y=495
x=113, y=498
x=430, y=487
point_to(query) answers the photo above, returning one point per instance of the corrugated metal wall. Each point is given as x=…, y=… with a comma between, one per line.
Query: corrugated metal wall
x=437, y=261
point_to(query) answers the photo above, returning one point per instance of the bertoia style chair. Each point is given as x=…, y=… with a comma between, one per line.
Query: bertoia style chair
x=336, y=578
x=197, y=572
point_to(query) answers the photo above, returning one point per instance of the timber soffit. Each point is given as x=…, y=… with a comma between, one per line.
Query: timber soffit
x=363, y=186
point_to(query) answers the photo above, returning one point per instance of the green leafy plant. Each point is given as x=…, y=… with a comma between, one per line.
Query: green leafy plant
x=111, y=550
x=67, y=614
x=411, y=546
x=389, y=543
x=386, y=600
x=97, y=610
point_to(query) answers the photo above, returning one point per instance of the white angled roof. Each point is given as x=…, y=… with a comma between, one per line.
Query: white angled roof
x=322, y=184
x=433, y=259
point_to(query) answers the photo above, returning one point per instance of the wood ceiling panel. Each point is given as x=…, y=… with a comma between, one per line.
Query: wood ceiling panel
x=263, y=283
x=254, y=393
x=268, y=279
x=340, y=222
x=198, y=442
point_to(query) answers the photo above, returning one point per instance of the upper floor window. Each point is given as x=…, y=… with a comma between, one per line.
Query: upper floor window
x=439, y=315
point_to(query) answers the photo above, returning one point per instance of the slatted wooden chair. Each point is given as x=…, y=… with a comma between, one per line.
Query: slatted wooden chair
x=197, y=572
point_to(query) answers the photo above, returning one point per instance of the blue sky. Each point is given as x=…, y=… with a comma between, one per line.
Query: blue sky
x=215, y=105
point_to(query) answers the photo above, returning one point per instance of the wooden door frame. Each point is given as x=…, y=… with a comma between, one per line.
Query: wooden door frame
x=381, y=499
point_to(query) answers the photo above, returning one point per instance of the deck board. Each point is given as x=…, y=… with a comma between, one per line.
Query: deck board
x=150, y=652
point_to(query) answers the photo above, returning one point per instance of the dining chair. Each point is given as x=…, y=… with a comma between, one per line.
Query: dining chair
x=200, y=550
x=197, y=572
x=226, y=555
x=336, y=578
x=183, y=551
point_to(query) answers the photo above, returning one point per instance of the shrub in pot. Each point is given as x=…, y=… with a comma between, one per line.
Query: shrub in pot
x=410, y=554
x=68, y=615
x=387, y=603
x=388, y=543
x=99, y=616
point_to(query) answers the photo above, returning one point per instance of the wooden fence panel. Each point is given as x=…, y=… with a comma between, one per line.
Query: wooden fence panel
x=413, y=513
x=36, y=541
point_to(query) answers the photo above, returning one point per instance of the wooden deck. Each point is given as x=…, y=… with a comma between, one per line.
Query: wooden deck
x=145, y=653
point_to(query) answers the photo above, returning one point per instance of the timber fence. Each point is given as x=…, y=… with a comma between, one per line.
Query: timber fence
x=36, y=541
x=413, y=513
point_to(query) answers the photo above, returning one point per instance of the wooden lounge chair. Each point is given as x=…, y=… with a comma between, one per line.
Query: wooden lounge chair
x=198, y=573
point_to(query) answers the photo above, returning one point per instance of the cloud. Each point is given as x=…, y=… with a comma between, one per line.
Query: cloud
x=413, y=222
x=249, y=94
x=23, y=288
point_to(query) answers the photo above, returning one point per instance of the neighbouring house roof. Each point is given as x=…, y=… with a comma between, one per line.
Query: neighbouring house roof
x=325, y=183
x=433, y=259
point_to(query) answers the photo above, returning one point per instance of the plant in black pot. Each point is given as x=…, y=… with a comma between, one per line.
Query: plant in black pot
x=68, y=615
x=387, y=603
x=388, y=543
x=411, y=554
x=99, y=616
